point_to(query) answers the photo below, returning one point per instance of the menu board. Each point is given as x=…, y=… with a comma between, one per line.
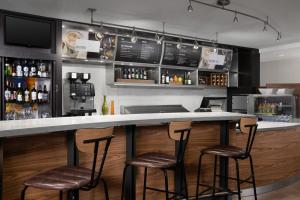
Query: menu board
x=142, y=51
x=185, y=56
x=106, y=48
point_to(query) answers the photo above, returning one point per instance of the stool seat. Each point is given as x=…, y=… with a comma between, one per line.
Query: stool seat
x=154, y=160
x=62, y=178
x=225, y=151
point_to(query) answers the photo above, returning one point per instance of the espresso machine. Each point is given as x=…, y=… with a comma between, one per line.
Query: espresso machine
x=81, y=94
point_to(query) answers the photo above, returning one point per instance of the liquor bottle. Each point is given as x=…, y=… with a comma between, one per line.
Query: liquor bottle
x=125, y=74
x=40, y=95
x=32, y=72
x=14, y=72
x=45, y=95
x=26, y=95
x=145, y=75
x=8, y=68
x=132, y=73
x=163, y=78
x=19, y=94
x=45, y=73
x=19, y=69
x=33, y=95
x=189, y=80
x=112, y=107
x=185, y=78
x=129, y=73
x=7, y=92
x=13, y=96
x=25, y=69
x=40, y=69
x=167, y=77
x=141, y=74
x=137, y=74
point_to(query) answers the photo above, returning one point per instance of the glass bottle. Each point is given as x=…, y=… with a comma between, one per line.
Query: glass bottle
x=104, y=106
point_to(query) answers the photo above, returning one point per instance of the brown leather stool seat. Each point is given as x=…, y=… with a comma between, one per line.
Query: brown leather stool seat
x=226, y=151
x=154, y=160
x=62, y=178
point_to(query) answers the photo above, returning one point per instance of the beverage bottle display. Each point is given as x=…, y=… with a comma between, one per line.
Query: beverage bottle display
x=25, y=69
x=19, y=94
x=167, y=78
x=33, y=95
x=19, y=69
x=32, y=72
x=40, y=95
x=7, y=92
x=45, y=95
x=26, y=95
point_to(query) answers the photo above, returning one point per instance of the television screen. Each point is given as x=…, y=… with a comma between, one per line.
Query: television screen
x=27, y=32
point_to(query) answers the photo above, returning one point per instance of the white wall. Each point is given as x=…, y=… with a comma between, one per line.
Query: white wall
x=190, y=99
x=280, y=71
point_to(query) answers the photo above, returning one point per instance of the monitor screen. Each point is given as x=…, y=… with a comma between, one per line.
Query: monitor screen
x=27, y=32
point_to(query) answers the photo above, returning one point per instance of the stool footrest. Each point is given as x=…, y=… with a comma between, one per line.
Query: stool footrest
x=241, y=180
x=161, y=190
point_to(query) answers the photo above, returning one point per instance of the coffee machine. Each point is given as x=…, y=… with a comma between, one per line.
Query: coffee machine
x=81, y=94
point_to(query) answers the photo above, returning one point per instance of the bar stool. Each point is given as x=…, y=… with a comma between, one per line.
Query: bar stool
x=247, y=126
x=178, y=131
x=72, y=178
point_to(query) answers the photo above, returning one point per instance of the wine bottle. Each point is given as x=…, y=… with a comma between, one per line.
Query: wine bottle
x=145, y=75
x=32, y=72
x=132, y=73
x=125, y=74
x=137, y=74
x=39, y=69
x=26, y=95
x=45, y=95
x=19, y=94
x=14, y=73
x=129, y=74
x=40, y=95
x=167, y=77
x=13, y=93
x=33, y=95
x=141, y=74
x=25, y=69
x=19, y=69
x=7, y=92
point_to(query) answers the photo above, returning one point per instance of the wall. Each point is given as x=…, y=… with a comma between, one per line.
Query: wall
x=280, y=71
x=190, y=99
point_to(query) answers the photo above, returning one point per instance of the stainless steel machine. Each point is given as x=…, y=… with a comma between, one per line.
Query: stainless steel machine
x=80, y=94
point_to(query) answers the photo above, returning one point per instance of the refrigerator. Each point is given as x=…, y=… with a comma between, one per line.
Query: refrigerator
x=26, y=88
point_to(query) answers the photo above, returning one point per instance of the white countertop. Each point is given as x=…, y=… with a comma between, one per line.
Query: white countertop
x=40, y=126
x=270, y=126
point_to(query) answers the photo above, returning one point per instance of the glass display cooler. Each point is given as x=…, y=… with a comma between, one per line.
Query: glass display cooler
x=272, y=107
x=26, y=88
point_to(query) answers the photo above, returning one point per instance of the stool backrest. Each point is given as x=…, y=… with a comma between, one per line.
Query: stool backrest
x=180, y=132
x=249, y=126
x=95, y=142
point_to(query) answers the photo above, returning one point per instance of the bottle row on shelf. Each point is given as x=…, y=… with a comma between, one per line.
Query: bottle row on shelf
x=133, y=73
x=26, y=68
x=175, y=78
x=214, y=79
x=271, y=108
x=22, y=94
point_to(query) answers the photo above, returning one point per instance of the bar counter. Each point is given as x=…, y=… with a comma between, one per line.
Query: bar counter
x=31, y=146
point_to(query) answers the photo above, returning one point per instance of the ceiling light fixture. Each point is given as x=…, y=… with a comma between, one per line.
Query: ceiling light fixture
x=222, y=7
x=235, y=19
x=196, y=45
x=133, y=37
x=190, y=7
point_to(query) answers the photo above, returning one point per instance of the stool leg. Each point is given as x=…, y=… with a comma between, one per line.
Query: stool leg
x=61, y=197
x=253, y=177
x=215, y=176
x=145, y=183
x=105, y=189
x=198, y=175
x=238, y=178
x=23, y=193
x=123, y=181
x=185, y=183
x=166, y=184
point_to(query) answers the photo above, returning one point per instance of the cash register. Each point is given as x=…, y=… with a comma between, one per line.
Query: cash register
x=212, y=104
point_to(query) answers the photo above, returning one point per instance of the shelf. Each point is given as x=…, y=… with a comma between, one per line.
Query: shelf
x=213, y=70
x=23, y=77
x=135, y=81
x=179, y=68
x=86, y=61
x=132, y=64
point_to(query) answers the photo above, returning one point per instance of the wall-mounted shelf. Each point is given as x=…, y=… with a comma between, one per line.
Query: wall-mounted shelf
x=87, y=61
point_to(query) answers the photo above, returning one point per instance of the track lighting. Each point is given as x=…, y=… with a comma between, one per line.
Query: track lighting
x=190, y=7
x=179, y=44
x=133, y=37
x=235, y=19
x=196, y=45
x=158, y=38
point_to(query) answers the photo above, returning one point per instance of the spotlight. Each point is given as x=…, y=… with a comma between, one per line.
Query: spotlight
x=190, y=7
x=196, y=45
x=235, y=19
x=158, y=39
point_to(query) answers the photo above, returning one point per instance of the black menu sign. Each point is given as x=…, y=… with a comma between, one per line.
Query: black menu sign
x=143, y=51
x=185, y=56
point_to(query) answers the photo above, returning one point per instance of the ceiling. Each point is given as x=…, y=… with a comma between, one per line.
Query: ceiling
x=204, y=22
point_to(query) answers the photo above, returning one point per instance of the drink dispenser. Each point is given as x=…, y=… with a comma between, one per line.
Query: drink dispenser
x=81, y=94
